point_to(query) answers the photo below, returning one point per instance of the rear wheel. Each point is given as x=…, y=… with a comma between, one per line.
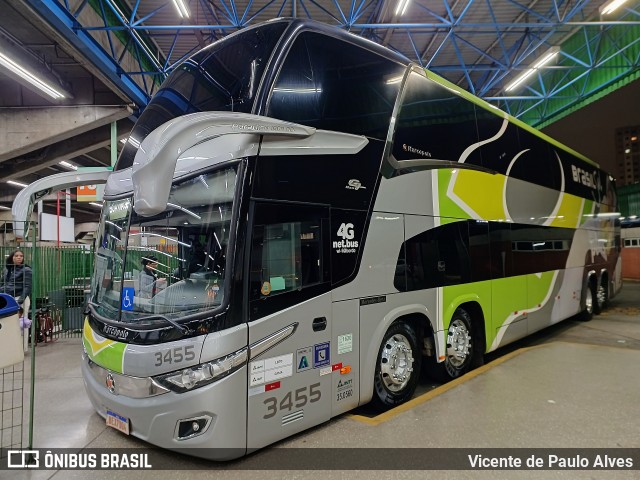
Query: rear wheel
x=602, y=295
x=599, y=296
x=460, y=349
x=398, y=366
x=589, y=296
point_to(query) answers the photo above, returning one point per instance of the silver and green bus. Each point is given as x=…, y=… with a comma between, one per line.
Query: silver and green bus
x=319, y=220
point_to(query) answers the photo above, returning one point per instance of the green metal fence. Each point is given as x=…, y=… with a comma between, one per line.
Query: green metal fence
x=61, y=275
x=61, y=278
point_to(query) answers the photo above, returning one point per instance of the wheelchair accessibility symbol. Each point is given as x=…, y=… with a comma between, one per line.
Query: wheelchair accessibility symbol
x=127, y=298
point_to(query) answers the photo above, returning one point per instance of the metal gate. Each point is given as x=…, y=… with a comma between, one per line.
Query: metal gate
x=61, y=277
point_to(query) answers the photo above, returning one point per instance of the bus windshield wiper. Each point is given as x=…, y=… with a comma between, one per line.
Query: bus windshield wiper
x=183, y=328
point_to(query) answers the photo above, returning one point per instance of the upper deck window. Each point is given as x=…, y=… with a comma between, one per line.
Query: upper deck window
x=334, y=85
x=434, y=122
x=224, y=78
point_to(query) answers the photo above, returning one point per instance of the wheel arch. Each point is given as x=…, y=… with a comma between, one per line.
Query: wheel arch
x=479, y=323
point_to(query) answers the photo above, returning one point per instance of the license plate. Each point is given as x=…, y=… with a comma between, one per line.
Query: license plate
x=118, y=422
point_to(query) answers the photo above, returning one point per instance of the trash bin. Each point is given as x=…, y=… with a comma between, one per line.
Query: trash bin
x=11, y=351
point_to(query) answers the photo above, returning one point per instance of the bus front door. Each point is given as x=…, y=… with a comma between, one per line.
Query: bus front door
x=290, y=365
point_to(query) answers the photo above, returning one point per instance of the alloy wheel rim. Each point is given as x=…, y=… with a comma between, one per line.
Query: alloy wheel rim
x=396, y=362
x=601, y=295
x=458, y=343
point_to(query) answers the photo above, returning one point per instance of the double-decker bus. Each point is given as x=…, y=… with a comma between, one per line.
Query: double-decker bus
x=320, y=219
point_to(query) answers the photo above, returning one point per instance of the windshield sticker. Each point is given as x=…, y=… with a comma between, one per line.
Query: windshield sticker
x=119, y=209
x=345, y=343
x=127, y=298
x=266, y=288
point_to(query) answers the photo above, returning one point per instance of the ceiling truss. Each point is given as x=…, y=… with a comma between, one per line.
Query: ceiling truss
x=480, y=45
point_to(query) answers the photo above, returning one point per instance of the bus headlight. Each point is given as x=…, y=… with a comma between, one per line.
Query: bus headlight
x=181, y=381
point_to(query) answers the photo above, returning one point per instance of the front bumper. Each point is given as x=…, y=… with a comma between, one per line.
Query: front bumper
x=156, y=418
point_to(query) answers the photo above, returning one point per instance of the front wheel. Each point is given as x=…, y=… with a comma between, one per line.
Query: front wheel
x=397, y=367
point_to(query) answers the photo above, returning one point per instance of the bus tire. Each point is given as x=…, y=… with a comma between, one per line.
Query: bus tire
x=589, y=300
x=397, y=367
x=602, y=294
x=460, y=349
x=599, y=296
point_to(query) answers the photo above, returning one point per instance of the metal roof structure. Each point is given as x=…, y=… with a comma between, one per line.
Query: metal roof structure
x=480, y=45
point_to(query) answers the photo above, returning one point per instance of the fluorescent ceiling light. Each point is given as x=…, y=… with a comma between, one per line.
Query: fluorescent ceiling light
x=183, y=11
x=68, y=165
x=297, y=90
x=95, y=204
x=402, y=7
x=542, y=61
x=17, y=184
x=29, y=77
x=2, y=207
x=611, y=6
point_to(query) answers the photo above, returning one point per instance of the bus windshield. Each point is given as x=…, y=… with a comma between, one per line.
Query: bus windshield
x=169, y=265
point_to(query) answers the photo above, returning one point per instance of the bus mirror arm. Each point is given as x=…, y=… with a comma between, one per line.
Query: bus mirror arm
x=155, y=161
x=23, y=203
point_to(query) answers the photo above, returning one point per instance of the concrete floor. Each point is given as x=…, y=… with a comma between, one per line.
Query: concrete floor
x=574, y=385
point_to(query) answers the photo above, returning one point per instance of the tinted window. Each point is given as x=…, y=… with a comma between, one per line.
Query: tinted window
x=334, y=85
x=433, y=122
x=437, y=257
x=473, y=251
x=501, y=154
x=221, y=78
x=541, y=164
x=479, y=250
x=289, y=255
x=501, y=255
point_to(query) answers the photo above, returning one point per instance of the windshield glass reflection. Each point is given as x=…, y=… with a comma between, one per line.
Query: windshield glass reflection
x=171, y=264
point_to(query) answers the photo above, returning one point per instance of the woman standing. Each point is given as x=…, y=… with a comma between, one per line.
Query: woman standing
x=16, y=277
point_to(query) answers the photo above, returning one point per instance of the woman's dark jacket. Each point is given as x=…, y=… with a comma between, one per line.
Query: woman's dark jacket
x=16, y=281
